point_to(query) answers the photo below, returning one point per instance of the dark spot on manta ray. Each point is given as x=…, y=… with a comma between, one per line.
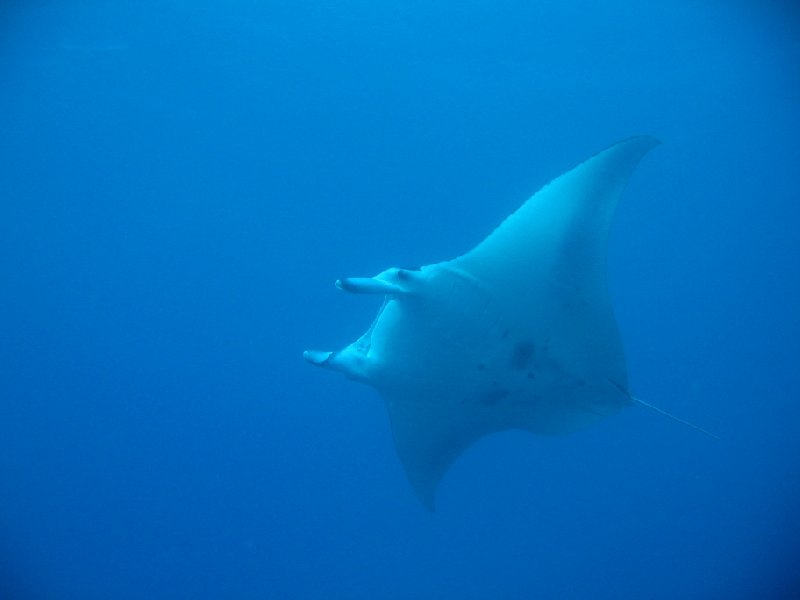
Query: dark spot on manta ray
x=523, y=354
x=493, y=397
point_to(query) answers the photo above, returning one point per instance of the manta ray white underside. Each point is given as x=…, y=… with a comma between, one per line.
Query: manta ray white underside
x=517, y=333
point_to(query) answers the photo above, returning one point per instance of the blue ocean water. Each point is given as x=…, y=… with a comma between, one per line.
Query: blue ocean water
x=181, y=183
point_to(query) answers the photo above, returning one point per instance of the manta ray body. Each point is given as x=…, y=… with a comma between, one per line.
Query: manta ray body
x=517, y=333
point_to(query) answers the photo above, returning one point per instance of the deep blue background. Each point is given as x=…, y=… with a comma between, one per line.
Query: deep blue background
x=182, y=181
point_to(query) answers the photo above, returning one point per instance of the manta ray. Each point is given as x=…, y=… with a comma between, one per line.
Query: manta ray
x=518, y=333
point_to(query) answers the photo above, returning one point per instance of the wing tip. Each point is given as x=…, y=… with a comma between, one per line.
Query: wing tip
x=638, y=144
x=426, y=495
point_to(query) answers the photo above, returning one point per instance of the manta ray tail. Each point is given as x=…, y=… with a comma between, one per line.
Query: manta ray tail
x=673, y=417
x=661, y=411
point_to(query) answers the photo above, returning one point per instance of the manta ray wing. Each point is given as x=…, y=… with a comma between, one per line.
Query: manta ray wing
x=517, y=333
x=549, y=260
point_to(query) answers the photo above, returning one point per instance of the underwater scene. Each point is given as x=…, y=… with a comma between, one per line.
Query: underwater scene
x=391, y=300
